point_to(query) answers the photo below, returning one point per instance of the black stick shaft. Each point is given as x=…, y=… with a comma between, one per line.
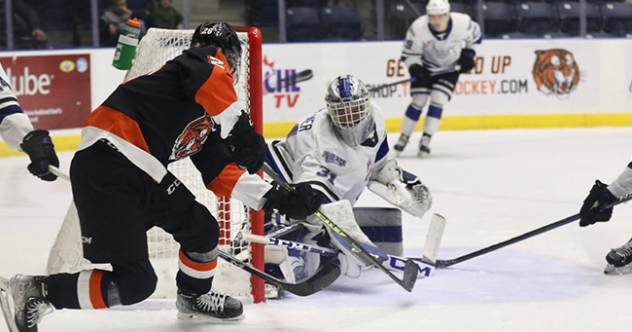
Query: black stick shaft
x=543, y=229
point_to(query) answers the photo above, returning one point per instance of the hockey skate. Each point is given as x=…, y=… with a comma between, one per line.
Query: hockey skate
x=424, y=144
x=30, y=303
x=401, y=143
x=620, y=260
x=212, y=307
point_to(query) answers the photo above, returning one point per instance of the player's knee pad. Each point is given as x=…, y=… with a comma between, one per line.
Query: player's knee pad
x=419, y=99
x=383, y=226
x=132, y=282
x=440, y=96
x=201, y=231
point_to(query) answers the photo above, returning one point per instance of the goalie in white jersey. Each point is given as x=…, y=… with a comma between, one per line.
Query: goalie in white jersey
x=438, y=47
x=341, y=150
x=619, y=259
x=17, y=131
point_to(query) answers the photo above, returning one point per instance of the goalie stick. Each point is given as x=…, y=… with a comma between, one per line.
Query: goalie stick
x=410, y=268
x=449, y=262
x=321, y=280
x=5, y=305
x=426, y=265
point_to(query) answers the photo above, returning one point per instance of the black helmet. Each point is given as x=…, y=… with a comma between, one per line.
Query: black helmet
x=223, y=36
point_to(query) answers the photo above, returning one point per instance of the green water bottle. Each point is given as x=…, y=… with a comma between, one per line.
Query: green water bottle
x=126, y=46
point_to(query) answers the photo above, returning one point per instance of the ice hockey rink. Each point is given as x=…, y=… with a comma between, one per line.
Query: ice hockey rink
x=490, y=185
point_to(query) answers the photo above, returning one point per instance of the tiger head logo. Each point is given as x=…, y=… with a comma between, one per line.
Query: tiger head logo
x=192, y=138
x=555, y=72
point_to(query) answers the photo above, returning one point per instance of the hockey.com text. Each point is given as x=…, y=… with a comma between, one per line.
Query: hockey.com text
x=27, y=84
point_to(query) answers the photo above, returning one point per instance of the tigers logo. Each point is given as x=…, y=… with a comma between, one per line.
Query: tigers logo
x=192, y=138
x=555, y=72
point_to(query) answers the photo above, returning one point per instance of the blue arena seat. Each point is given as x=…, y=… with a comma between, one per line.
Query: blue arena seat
x=617, y=18
x=500, y=19
x=340, y=23
x=464, y=8
x=569, y=18
x=399, y=18
x=303, y=24
x=537, y=18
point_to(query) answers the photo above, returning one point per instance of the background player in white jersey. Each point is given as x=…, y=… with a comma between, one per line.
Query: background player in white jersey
x=438, y=47
x=619, y=259
x=341, y=150
x=16, y=128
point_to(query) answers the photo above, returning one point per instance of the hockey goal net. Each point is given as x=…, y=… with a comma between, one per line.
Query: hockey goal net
x=156, y=48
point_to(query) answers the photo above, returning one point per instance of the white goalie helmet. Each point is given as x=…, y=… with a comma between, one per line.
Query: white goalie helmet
x=349, y=109
x=438, y=7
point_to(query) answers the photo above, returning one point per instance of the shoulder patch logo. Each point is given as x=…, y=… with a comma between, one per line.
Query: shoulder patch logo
x=555, y=72
x=192, y=138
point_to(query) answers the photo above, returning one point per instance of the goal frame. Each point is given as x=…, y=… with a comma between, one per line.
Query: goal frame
x=255, y=84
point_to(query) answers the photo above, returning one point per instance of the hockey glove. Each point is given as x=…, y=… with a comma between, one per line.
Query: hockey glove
x=245, y=145
x=420, y=75
x=466, y=61
x=591, y=212
x=39, y=146
x=297, y=204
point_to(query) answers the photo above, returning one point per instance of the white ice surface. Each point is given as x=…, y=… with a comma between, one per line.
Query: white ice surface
x=490, y=185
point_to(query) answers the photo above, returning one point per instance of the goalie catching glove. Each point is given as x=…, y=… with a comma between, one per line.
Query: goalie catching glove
x=402, y=189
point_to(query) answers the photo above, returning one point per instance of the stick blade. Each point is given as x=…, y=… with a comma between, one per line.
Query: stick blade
x=321, y=280
x=5, y=305
x=411, y=271
x=433, y=238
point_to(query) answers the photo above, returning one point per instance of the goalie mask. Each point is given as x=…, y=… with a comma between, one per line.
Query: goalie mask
x=348, y=106
x=223, y=36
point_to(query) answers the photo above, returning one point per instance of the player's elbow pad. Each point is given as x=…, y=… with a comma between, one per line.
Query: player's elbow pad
x=466, y=61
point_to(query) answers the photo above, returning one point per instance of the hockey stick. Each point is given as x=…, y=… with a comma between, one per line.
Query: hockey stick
x=409, y=80
x=58, y=173
x=6, y=306
x=323, y=278
x=410, y=270
x=380, y=87
x=393, y=263
x=544, y=229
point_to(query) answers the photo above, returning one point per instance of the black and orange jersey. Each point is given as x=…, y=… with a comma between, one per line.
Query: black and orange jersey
x=171, y=114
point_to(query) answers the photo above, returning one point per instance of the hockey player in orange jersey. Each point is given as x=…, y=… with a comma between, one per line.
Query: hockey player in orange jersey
x=121, y=185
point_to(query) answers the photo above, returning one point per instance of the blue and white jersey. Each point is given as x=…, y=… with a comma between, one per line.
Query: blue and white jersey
x=14, y=124
x=440, y=52
x=313, y=153
x=622, y=185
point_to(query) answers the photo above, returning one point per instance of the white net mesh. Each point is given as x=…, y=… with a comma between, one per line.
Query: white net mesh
x=156, y=48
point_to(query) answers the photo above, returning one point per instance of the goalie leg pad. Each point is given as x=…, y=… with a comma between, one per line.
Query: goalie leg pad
x=341, y=213
x=383, y=226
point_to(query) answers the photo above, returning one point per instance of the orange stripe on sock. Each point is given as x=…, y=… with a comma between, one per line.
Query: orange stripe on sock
x=202, y=267
x=96, y=297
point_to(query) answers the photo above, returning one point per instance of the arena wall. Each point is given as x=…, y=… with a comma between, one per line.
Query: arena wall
x=539, y=83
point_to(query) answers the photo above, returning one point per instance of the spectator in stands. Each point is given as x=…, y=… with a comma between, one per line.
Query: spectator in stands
x=164, y=16
x=27, y=29
x=113, y=22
